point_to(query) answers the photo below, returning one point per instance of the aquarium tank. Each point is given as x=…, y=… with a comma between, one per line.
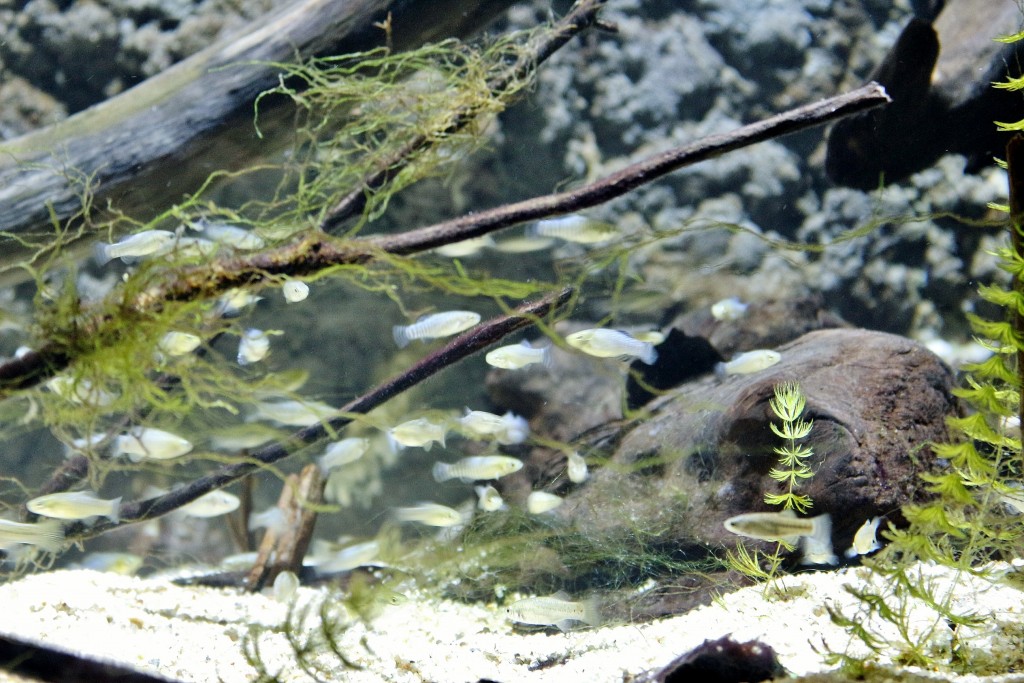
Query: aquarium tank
x=465, y=340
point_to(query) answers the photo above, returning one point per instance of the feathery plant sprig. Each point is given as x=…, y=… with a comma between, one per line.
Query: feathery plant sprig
x=788, y=405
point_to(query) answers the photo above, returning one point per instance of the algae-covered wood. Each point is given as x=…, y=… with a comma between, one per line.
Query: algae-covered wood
x=145, y=148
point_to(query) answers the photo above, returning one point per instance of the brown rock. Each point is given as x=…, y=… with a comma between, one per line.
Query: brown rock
x=704, y=452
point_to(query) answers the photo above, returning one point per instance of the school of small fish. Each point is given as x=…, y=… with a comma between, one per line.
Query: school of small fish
x=142, y=443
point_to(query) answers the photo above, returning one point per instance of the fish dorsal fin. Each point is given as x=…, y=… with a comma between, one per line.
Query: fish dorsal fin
x=561, y=595
x=788, y=512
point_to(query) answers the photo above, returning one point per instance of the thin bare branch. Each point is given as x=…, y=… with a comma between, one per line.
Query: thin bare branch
x=634, y=175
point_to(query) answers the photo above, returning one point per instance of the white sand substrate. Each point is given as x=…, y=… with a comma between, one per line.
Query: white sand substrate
x=197, y=634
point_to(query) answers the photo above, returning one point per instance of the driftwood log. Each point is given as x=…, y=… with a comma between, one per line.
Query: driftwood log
x=148, y=146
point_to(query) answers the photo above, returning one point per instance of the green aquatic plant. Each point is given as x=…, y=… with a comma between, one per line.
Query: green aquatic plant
x=967, y=517
x=787, y=403
x=313, y=632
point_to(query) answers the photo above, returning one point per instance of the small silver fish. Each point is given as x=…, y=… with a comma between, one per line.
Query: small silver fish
x=231, y=236
x=140, y=244
x=179, y=343
x=429, y=514
x=419, y=432
x=576, y=468
x=865, y=540
x=728, y=309
x=815, y=533
x=605, y=343
x=75, y=505
x=142, y=443
x=272, y=519
x=434, y=326
x=574, y=228
x=212, y=504
x=48, y=534
x=331, y=561
x=488, y=498
x=235, y=301
x=254, y=345
x=470, y=247
x=341, y=453
x=80, y=391
x=506, y=429
x=292, y=413
x=294, y=291
x=240, y=437
x=779, y=526
x=554, y=610
x=522, y=245
x=477, y=467
x=1014, y=500
x=539, y=502
x=749, y=362
x=186, y=247
x=286, y=586
x=515, y=356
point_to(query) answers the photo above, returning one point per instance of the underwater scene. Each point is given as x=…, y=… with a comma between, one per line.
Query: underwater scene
x=481, y=340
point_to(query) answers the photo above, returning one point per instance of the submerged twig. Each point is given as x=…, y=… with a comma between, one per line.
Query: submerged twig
x=634, y=175
x=464, y=345
x=283, y=549
x=317, y=252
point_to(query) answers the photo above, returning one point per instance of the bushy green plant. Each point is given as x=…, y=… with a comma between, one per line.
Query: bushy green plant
x=788, y=405
x=967, y=518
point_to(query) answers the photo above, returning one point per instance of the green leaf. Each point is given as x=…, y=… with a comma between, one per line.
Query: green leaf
x=994, y=368
x=1016, y=125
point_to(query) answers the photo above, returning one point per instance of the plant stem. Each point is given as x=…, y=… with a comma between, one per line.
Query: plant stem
x=1015, y=169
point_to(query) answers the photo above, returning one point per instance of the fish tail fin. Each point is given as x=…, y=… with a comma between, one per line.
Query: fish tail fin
x=101, y=252
x=401, y=335
x=591, y=612
x=545, y=356
x=49, y=536
x=393, y=446
x=649, y=354
x=441, y=472
x=822, y=528
x=114, y=514
x=818, y=545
